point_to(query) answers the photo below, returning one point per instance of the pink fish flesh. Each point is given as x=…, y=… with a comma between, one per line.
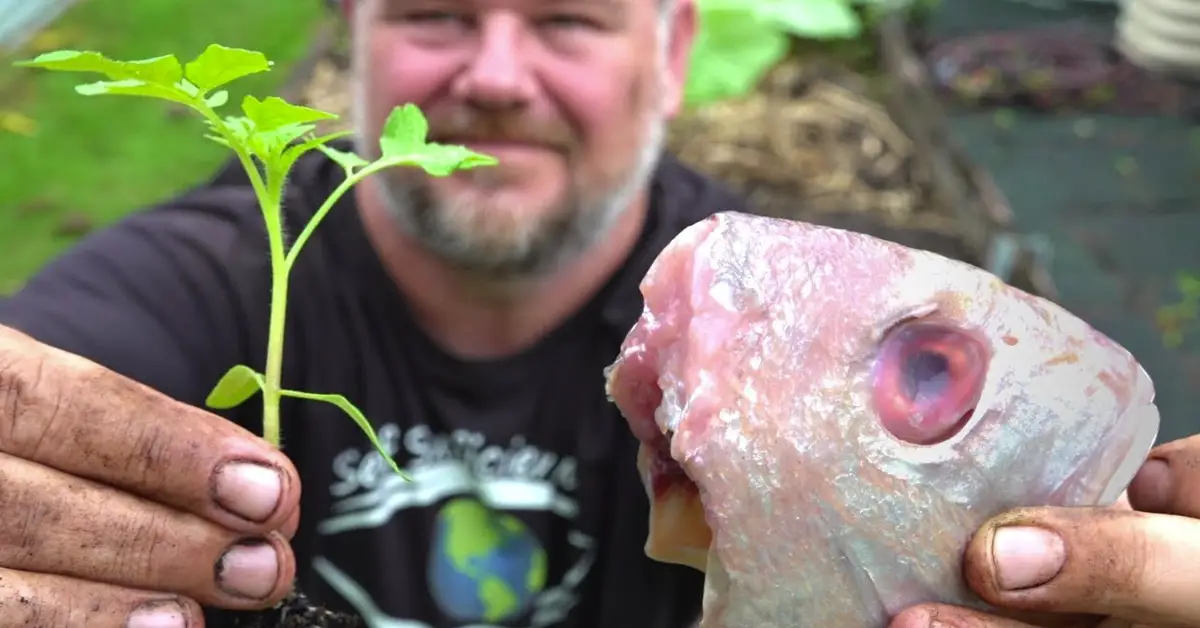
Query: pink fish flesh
x=827, y=417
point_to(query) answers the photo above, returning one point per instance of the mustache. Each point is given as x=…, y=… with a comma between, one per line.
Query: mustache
x=470, y=125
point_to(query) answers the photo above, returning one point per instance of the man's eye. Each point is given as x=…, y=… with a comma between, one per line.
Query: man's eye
x=568, y=21
x=435, y=17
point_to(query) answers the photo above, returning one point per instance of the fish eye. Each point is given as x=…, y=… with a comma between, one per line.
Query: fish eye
x=927, y=378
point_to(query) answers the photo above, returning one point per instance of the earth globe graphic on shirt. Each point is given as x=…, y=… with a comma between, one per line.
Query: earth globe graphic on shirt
x=483, y=565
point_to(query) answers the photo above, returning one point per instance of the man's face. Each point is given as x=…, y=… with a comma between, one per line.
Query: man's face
x=570, y=95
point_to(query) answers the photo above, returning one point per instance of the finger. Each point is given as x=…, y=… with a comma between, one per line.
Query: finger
x=929, y=616
x=291, y=525
x=1126, y=564
x=943, y=616
x=946, y=616
x=1169, y=482
x=73, y=415
x=60, y=524
x=33, y=600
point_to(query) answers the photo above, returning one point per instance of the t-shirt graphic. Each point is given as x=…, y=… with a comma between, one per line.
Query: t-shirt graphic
x=485, y=567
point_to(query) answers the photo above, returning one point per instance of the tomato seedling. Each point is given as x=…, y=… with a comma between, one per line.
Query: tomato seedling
x=268, y=138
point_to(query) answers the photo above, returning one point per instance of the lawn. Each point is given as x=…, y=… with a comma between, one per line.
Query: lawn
x=69, y=162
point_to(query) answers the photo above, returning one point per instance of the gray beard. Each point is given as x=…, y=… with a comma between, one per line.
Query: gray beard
x=570, y=229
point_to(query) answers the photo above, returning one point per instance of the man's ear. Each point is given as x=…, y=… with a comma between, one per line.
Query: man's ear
x=683, y=25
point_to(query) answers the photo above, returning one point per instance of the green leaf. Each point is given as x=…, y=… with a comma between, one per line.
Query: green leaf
x=164, y=70
x=355, y=414
x=295, y=151
x=239, y=127
x=219, y=65
x=440, y=160
x=186, y=87
x=402, y=143
x=404, y=132
x=734, y=49
x=235, y=128
x=218, y=139
x=72, y=61
x=134, y=87
x=275, y=112
x=1188, y=284
x=268, y=145
x=814, y=19
x=349, y=161
x=217, y=99
x=236, y=386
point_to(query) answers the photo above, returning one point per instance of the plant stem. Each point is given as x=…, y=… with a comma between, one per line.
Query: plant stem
x=270, y=194
x=270, y=201
x=350, y=181
x=281, y=268
x=273, y=374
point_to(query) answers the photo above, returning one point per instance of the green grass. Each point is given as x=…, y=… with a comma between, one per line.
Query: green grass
x=91, y=160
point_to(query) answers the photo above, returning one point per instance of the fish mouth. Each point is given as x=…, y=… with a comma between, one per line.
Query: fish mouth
x=678, y=532
x=1101, y=478
x=656, y=384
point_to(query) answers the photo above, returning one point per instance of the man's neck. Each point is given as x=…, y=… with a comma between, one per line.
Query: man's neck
x=475, y=319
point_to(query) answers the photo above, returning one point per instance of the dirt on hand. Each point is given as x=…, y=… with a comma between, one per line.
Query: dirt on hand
x=296, y=611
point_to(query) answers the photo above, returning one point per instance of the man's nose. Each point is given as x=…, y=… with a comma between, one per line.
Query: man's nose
x=498, y=75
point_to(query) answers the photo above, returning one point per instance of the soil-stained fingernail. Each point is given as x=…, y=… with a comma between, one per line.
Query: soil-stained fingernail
x=248, y=570
x=157, y=615
x=1150, y=490
x=248, y=490
x=1026, y=556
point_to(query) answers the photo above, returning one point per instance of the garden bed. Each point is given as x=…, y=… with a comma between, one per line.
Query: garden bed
x=822, y=143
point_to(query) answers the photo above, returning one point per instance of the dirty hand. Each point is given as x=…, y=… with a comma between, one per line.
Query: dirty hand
x=118, y=502
x=1134, y=568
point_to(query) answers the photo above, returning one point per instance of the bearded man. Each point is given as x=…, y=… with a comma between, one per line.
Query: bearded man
x=470, y=317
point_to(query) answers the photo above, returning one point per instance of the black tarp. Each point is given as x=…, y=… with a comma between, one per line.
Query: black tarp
x=1119, y=197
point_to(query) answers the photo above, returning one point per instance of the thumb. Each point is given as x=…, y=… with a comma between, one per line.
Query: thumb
x=1132, y=565
x=1169, y=482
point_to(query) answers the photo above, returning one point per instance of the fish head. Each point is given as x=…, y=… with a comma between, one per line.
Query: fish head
x=826, y=417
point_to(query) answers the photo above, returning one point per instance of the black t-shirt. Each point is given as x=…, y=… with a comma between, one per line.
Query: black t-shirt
x=526, y=508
